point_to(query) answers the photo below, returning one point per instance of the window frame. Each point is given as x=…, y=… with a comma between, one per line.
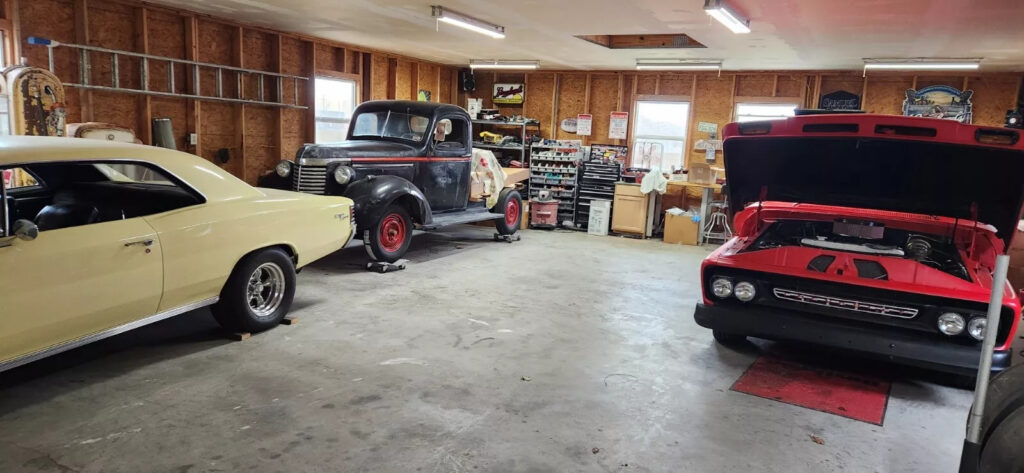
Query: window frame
x=357, y=81
x=634, y=135
x=40, y=184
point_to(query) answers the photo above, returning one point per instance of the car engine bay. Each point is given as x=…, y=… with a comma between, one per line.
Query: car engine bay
x=867, y=238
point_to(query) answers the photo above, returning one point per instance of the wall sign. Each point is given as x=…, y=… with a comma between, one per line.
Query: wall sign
x=569, y=125
x=583, y=124
x=839, y=100
x=423, y=95
x=509, y=94
x=707, y=127
x=618, y=125
x=939, y=101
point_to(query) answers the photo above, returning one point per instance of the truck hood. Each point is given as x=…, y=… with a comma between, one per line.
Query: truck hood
x=356, y=148
x=913, y=175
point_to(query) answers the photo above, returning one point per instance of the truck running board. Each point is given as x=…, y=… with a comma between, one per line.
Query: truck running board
x=455, y=218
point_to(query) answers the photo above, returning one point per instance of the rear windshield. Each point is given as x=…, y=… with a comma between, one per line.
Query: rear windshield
x=389, y=124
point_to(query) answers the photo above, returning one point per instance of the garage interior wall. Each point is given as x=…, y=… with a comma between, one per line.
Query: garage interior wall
x=256, y=136
x=553, y=96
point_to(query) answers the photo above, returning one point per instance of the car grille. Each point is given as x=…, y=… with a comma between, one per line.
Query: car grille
x=310, y=179
x=846, y=304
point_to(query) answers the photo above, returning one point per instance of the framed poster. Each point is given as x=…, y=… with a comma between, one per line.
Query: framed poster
x=939, y=101
x=839, y=100
x=509, y=94
x=618, y=125
x=583, y=124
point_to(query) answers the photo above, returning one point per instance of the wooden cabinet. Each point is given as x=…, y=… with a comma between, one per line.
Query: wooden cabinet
x=630, y=210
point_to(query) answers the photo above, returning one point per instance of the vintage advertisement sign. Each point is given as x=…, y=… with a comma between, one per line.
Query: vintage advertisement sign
x=509, y=94
x=583, y=124
x=839, y=100
x=939, y=101
x=618, y=125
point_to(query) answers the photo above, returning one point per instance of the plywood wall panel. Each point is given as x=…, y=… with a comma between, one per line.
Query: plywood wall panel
x=445, y=86
x=325, y=57
x=215, y=46
x=539, y=100
x=293, y=126
x=261, y=154
x=755, y=85
x=380, y=77
x=485, y=87
x=956, y=82
x=116, y=108
x=712, y=103
x=166, y=38
x=676, y=84
x=176, y=110
x=993, y=96
x=257, y=54
x=604, y=93
x=571, y=100
x=647, y=84
x=885, y=94
x=111, y=26
x=428, y=80
x=403, y=80
x=219, y=131
x=791, y=85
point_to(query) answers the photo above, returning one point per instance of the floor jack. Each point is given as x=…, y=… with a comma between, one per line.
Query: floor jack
x=385, y=267
x=508, y=238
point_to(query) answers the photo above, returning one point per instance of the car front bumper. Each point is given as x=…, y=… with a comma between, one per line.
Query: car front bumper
x=882, y=342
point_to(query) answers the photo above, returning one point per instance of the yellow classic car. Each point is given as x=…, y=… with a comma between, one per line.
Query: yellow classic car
x=97, y=238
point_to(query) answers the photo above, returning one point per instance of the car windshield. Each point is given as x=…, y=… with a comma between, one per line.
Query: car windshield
x=389, y=124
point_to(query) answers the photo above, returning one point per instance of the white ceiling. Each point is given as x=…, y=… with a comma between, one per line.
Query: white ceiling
x=787, y=34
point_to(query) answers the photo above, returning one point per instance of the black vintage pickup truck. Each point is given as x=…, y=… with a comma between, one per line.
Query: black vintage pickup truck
x=406, y=165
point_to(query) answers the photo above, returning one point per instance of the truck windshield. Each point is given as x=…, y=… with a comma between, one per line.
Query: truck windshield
x=389, y=124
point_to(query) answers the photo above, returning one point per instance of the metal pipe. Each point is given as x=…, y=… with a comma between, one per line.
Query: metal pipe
x=145, y=74
x=183, y=96
x=220, y=83
x=83, y=66
x=280, y=89
x=995, y=306
x=195, y=79
x=49, y=57
x=238, y=91
x=115, y=73
x=180, y=61
x=170, y=77
x=295, y=88
x=259, y=84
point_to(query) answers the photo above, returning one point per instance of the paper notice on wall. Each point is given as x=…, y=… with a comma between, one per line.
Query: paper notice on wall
x=618, y=125
x=583, y=122
x=707, y=127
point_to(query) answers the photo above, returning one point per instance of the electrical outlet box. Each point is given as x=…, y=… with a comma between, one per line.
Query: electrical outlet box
x=193, y=139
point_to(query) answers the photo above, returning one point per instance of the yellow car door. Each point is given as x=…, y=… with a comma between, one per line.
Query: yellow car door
x=73, y=282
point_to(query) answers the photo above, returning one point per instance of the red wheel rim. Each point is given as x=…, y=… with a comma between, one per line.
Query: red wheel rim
x=392, y=233
x=512, y=212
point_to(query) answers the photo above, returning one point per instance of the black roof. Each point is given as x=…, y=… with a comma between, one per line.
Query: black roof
x=409, y=106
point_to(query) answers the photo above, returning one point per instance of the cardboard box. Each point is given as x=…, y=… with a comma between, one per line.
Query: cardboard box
x=681, y=229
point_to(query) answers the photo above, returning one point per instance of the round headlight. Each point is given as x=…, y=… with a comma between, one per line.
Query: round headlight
x=976, y=328
x=343, y=174
x=744, y=291
x=951, y=323
x=721, y=287
x=283, y=168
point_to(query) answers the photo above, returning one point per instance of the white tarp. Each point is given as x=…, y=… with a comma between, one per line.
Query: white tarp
x=487, y=171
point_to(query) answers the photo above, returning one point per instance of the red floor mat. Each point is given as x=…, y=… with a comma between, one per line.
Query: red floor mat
x=844, y=394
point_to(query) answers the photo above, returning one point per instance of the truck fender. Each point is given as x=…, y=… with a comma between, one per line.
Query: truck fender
x=373, y=194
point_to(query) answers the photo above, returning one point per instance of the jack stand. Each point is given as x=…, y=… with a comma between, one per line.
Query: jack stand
x=508, y=238
x=383, y=267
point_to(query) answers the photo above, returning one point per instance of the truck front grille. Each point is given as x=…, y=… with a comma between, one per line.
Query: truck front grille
x=310, y=179
x=846, y=304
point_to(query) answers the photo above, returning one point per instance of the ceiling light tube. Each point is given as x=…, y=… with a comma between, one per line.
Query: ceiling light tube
x=922, y=64
x=491, y=64
x=678, y=65
x=727, y=16
x=467, y=22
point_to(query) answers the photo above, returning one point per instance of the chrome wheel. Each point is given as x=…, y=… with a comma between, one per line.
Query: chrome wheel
x=265, y=289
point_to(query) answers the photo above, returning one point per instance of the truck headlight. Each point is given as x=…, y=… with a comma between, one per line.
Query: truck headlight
x=343, y=174
x=744, y=291
x=283, y=168
x=951, y=323
x=976, y=328
x=721, y=288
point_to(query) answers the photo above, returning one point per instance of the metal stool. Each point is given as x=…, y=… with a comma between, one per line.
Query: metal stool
x=717, y=226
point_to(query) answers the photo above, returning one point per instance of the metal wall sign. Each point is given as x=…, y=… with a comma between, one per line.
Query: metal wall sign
x=509, y=94
x=839, y=100
x=939, y=101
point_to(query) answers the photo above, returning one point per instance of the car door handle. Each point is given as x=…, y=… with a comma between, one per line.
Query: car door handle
x=146, y=242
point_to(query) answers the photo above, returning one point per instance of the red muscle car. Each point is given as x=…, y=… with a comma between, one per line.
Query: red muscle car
x=867, y=232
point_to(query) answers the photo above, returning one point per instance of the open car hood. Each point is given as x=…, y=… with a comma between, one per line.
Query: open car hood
x=859, y=161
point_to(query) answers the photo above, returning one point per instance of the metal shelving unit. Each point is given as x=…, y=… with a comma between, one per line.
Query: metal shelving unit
x=523, y=145
x=554, y=166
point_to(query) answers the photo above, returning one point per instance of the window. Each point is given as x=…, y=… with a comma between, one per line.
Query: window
x=659, y=135
x=335, y=101
x=70, y=194
x=388, y=124
x=18, y=178
x=750, y=112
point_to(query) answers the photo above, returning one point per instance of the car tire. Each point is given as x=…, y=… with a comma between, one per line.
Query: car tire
x=1001, y=452
x=510, y=204
x=1005, y=395
x=258, y=293
x=728, y=339
x=389, y=238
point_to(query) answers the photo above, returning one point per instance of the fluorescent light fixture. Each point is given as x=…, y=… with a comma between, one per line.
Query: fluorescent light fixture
x=467, y=22
x=679, y=64
x=923, y=64
x=493, y=64
x=727, y=16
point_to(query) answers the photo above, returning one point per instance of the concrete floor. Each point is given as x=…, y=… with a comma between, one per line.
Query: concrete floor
x=481, y=356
